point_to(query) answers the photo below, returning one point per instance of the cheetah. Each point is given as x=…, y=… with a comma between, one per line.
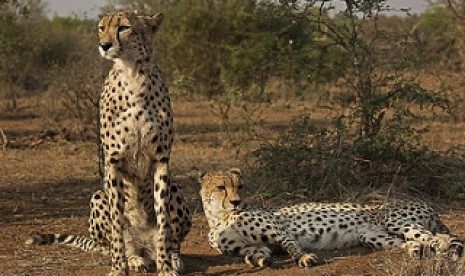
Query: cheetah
x=136, y=132
x=298, y=229
x=142, y=254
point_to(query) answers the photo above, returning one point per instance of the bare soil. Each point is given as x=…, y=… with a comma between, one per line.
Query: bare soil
x=46, y=182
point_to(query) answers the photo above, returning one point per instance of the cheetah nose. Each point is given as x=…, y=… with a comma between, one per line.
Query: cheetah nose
x=106, y=46
x=235, y=203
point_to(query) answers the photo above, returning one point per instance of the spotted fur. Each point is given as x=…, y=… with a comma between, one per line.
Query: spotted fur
x=302, y=228
x=141, y=251
x=136, y=130
x=136, y=133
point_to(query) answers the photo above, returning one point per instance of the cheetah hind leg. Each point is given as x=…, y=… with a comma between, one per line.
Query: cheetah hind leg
x=99, y=219
x=418, y=250
x=256, y=256
x=447, y=245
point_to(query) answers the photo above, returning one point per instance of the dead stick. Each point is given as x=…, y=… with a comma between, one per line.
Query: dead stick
x=5, y=139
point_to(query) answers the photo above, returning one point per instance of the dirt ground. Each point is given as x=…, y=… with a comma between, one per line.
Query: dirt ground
x=46, y=184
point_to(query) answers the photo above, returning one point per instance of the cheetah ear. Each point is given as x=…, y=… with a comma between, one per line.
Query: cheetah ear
x=154, y=21
x=201, y=176
x=235, y=171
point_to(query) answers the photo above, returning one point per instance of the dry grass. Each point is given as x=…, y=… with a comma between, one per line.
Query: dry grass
x=431, y=267
x=46, y=187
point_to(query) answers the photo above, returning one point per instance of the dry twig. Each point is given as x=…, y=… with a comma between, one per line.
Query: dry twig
x=4, y=138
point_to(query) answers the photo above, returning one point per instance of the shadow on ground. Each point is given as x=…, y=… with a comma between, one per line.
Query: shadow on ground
x=46, y=200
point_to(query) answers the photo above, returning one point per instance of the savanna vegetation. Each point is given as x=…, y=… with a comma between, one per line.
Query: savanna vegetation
x=376, y=78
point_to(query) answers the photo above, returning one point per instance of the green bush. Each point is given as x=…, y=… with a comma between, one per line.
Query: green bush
x=33, y=48
x=439, y=33
x=321, y=163
x=376, y=142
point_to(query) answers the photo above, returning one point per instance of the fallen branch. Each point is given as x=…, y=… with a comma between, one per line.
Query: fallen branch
x=5, y=140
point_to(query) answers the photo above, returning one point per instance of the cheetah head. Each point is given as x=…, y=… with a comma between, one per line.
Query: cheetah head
x=126, y=35
x=220, y=191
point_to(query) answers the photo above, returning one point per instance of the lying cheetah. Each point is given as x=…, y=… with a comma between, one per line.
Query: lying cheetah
x=139, y=242
x=411, y=225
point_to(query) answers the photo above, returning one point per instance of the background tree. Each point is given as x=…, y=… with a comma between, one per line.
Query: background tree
x=378, y=105
x=17, y=50
x=457, y=8
x=366, y=69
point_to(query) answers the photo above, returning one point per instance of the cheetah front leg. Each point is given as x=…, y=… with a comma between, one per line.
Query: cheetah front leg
x=231, y=242
x=294, y=249
x=181, y=222
x=176, y=261
x=256, y=256
x=276, y=235
x=161, y=206
x=114, y=186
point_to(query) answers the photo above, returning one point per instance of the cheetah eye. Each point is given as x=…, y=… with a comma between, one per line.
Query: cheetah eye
x=222, y=188
x=101, y=28
x=123, y=28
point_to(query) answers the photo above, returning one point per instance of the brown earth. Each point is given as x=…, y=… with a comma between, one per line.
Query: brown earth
x=46, y=181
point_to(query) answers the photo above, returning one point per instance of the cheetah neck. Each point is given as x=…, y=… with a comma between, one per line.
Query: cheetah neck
x=134, y=80
x=216, y=218
x=142, y=67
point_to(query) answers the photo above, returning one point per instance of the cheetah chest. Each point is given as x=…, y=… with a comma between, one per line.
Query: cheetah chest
x=135, y=120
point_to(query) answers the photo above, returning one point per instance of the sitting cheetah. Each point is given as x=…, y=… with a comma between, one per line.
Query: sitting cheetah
x=139, y=241
x=412, y=225
x=136, y=130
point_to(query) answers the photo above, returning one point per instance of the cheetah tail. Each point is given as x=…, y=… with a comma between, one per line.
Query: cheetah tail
x=81, y=242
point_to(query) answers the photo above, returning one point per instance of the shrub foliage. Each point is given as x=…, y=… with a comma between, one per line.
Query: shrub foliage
x=234, y=52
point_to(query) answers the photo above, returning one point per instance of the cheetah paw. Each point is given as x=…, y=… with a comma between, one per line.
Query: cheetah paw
x=168, y=273
x=257, y=259
x=176, y=262
x=118, y=273
x=166, y=270
x=308, y=260
x=447, y=245
x=455, y=251
x=418, y=250
x=137, y=264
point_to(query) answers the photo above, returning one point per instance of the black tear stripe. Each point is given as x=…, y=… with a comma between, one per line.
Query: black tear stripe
x=117, y=33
